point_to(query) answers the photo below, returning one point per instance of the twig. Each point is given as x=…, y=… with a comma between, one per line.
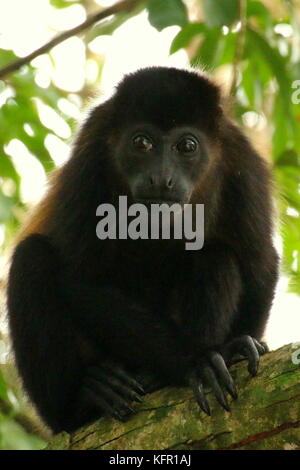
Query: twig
x=240, y=43
x=125, y=5
x=27, y=422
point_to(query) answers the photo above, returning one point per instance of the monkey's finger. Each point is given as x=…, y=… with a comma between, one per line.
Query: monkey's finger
x=250, y=350
x=235, y=358
x=109, y=395
x=210, y=378
x=198, y=391
x=220, y=367
x=119, y=387
x=101, y=404
x=264, y=344
x=261, y=347
x=123, y=375
x=154, y=385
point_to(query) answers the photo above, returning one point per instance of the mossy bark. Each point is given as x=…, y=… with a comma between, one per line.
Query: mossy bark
x=265, y=416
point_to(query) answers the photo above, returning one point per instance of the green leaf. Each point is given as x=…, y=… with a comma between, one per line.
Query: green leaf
x=166, y=13
x=285, y=130
x=3, y=388
x=288, y=179
x=185, y=36
x=220, y=13
x=286, y=133
x=255, y=79
x=248, y=83
x=62, y=3
x=7, y=169
x=208, y=51
x=291, y=250
x=13, y=437
x=294, y=283
x=276, y=62
x=107, y=28
x=6, y=206
x=6, y=57
x=289, y=158
x=227, y=47
x=260, y=12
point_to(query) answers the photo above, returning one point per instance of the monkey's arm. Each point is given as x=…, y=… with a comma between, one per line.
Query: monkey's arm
x=210, y=306
x=47, y=333
x=260, y=275
x=210, y=296
x=44, y=338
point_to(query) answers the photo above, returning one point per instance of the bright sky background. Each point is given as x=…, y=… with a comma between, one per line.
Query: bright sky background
x=26, y=25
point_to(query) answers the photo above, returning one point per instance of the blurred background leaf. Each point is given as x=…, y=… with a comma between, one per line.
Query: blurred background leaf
x=166, y=13
x=220, y=14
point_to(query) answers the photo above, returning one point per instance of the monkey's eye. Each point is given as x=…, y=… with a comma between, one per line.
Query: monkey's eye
x=187, y=145
x=142, y=142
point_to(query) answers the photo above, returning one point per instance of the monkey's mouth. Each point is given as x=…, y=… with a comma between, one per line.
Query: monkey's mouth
x=148, y=202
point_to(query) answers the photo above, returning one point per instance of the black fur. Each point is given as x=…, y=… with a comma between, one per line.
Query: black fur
x=75, y=301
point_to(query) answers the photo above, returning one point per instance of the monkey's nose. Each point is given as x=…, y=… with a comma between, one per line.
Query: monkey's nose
x=161, y=182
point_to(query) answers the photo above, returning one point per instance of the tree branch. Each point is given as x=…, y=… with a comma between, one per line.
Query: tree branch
x=123, y=6
x=265, y=416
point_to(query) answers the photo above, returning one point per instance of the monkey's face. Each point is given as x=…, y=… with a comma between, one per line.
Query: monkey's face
x=161, y=166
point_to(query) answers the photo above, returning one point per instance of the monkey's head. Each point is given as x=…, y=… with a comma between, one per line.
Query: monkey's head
x=168, y=116
x=162, y=124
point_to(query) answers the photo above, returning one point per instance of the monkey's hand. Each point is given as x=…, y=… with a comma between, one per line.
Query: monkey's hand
x=244, y=347
x=213, y=369
x=110, y=389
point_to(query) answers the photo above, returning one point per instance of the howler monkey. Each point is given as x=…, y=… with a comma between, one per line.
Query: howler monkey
x=95, y=322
